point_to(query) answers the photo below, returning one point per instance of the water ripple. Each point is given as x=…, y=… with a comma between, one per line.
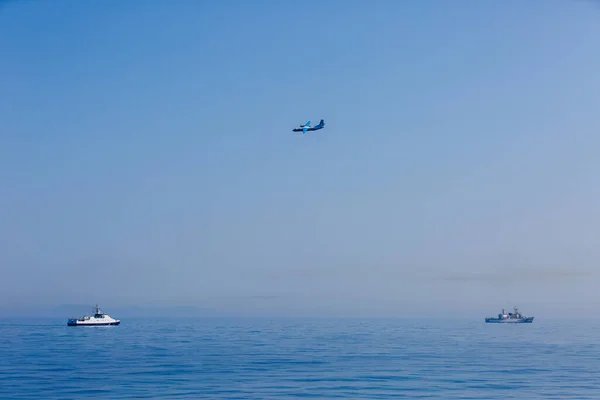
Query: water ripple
x=261, y=359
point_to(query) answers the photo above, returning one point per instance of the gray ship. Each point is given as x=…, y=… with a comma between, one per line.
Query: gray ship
x=511, y=318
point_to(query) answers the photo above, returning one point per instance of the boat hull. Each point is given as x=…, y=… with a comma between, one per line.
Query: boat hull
x=79, y=323
x=509, y=320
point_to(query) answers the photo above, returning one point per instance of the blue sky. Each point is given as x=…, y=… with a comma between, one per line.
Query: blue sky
x=146, y=155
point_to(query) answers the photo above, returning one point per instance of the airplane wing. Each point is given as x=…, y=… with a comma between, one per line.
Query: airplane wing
x=307, y=124
x=304, y=130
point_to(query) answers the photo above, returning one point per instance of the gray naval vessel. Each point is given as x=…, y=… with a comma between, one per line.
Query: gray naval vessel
x=510, y=318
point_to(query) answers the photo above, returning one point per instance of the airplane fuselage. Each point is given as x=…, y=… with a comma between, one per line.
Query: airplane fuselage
x=308, y=128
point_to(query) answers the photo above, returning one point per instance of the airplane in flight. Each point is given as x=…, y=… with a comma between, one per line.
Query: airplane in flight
x=306, y=127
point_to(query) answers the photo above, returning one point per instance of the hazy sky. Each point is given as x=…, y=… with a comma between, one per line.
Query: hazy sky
x=146, y=155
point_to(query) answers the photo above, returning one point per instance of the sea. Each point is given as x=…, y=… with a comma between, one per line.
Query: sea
x=253, y=358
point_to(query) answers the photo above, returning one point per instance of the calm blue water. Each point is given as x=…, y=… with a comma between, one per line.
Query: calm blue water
x=276, y=359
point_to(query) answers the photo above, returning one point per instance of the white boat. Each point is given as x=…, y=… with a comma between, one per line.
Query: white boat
x=97, y=319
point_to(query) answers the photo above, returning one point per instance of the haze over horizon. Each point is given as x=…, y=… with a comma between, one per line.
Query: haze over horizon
x=147, y=156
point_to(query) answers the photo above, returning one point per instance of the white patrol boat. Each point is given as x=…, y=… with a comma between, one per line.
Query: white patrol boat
x=97, y=319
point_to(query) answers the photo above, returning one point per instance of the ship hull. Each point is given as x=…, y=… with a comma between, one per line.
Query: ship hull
x=80, y=323
x=509, y=321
